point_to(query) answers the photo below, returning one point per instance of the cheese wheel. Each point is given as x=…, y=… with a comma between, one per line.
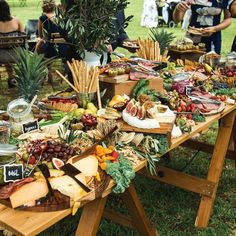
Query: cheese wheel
x=28, y=193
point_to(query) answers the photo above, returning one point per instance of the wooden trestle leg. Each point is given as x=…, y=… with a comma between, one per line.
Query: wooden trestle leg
x=90, y=218
x=215, y=169
x=137, y=213
x=93, y=211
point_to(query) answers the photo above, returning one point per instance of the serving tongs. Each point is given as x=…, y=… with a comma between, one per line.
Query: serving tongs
x=29, y=169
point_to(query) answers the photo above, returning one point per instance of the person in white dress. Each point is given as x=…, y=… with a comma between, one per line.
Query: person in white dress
x=149, y=15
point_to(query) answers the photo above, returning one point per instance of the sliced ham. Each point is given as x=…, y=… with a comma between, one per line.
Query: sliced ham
x=206, y=107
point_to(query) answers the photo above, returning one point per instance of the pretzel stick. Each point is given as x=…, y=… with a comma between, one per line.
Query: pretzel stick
x=67, y=81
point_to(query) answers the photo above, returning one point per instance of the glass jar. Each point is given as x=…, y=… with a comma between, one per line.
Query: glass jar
x=231, y=62
x=4, y=131
x=7, y=157
x=20, y=113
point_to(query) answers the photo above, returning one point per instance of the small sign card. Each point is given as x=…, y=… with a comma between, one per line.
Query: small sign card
x=12, y=173
x=27, y=127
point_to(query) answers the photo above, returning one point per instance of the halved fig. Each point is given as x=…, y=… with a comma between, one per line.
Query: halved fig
x=133, y=110
x=57, y=163
x=120, y=106
x=130, y=105
x=141, y=112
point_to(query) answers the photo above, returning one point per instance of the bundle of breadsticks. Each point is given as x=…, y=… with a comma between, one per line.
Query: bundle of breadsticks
x=150, y=50
x=85, y=77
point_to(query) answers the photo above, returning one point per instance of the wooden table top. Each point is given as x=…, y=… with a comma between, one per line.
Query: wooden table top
x=31, y=223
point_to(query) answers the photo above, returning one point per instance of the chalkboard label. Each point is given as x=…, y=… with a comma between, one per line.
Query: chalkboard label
x=12, y=173
x=30, y=126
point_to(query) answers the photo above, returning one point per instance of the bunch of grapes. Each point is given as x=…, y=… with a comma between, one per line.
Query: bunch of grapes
x=48, y=150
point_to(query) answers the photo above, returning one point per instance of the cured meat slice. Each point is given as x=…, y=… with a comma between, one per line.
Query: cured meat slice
x=7, y=190
x=206, y=107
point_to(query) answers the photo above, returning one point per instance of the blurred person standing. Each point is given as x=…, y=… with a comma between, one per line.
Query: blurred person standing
x=207, y=15
x=149, y=16
x=232, y=10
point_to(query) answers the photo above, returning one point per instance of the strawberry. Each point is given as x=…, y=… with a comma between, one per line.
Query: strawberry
x=179, y=109
x=190, y=116
x=32, y=160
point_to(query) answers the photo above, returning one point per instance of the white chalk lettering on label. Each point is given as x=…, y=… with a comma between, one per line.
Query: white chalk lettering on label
x=13, y=173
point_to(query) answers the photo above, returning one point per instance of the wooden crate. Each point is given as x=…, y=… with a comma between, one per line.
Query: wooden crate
x=127, y=87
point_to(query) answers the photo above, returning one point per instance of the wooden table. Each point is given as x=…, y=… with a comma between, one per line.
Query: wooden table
x=205, y=187
x=31, y=223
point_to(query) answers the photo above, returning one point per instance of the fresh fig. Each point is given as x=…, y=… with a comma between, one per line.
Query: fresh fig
x=130, y=105
x=141, y=112
x=133, y=110
x=57, y=163
x=119, y=106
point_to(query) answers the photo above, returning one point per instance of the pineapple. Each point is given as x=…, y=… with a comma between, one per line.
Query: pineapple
x=30, y=71
x=162, y=37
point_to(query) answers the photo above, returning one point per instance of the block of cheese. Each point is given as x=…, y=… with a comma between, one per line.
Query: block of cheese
x=88, y=165
x=28, y=193
x=67, y=186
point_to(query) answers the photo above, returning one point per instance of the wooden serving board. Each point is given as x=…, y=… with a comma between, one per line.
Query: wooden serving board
x=165, y=128
x=56, y=203
x=61, y=202
x=187, y=51
x=114, y=79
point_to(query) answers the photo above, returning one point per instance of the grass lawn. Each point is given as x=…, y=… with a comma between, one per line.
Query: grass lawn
x=170, y=209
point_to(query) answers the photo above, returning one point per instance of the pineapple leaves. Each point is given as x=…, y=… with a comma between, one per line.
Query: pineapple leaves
x=30, y=71
x=163, y=37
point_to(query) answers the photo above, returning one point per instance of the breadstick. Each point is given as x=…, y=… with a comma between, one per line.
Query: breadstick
x=99, y=96
x=67, y=81
x=92, y=80
x=76, y=82
x=72, y=71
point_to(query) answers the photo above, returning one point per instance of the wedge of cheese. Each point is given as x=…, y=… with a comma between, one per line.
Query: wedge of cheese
x=88, y=166
x=67, y=186
x=28, y=193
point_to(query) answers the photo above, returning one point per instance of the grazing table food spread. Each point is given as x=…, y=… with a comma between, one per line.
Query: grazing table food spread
x=72, y=148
